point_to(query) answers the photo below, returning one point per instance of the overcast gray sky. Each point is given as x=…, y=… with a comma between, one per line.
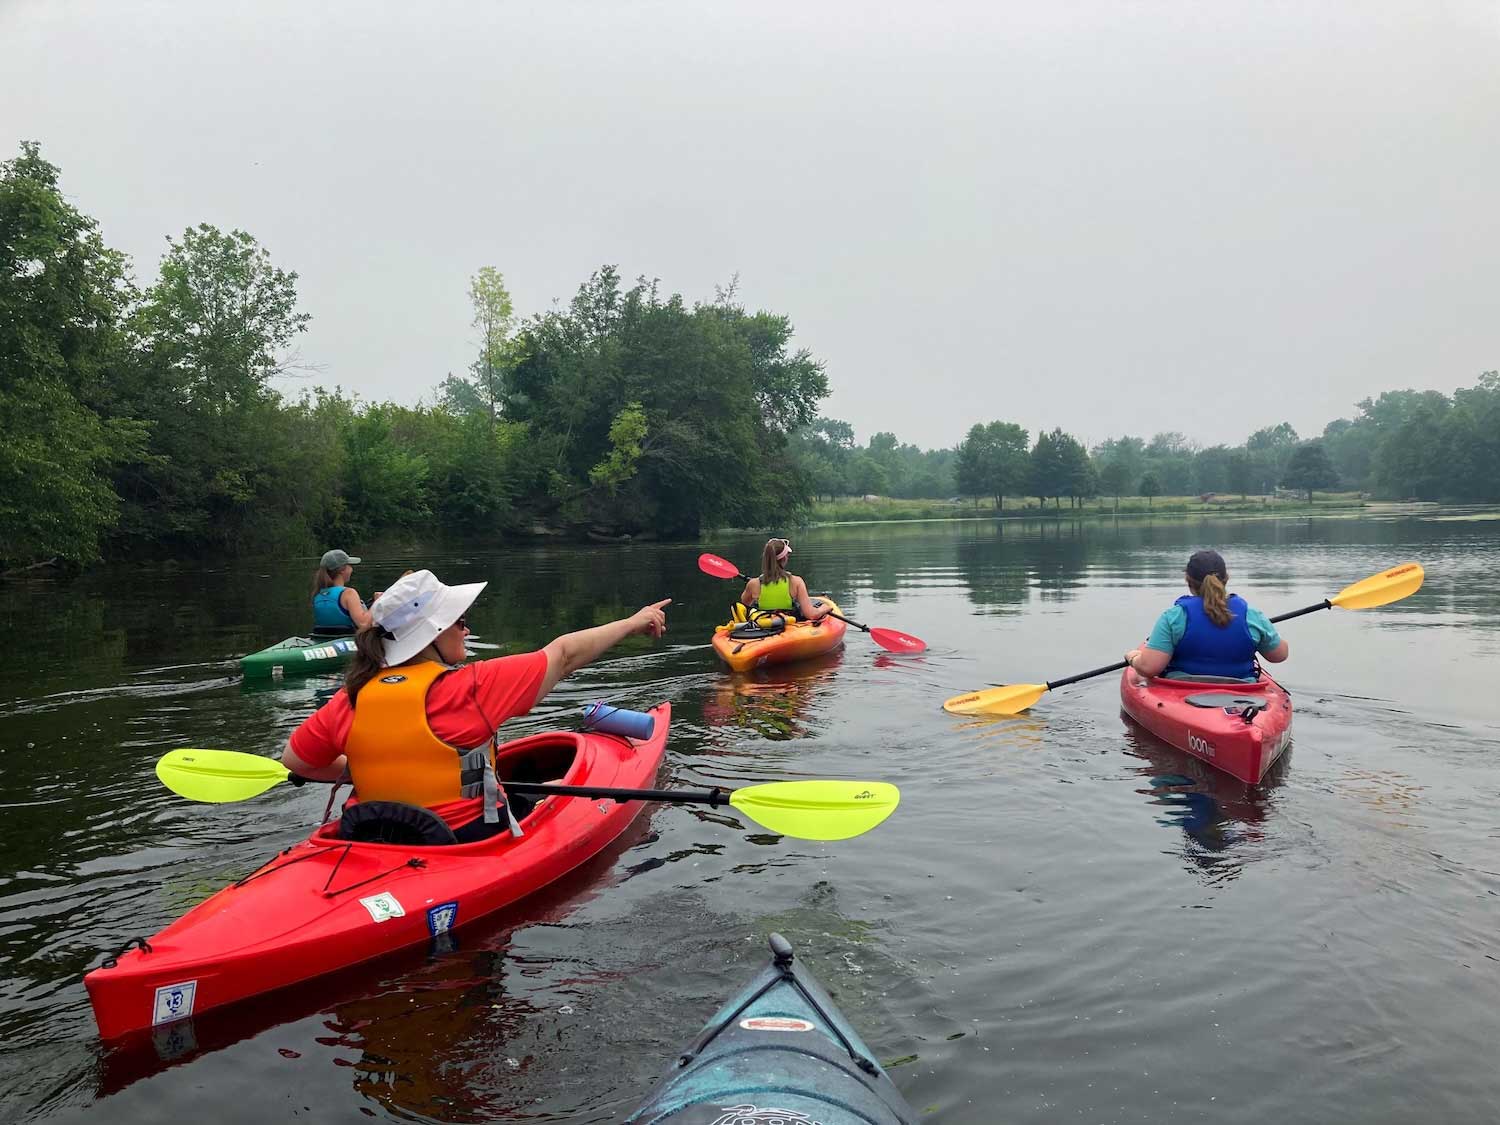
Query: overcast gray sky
x=1113, y=217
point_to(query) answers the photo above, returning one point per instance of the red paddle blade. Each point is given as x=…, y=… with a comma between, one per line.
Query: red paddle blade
x=893, y=640
x=719, y=568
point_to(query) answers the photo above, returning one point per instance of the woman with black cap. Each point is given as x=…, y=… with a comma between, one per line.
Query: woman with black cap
x=1209, y=631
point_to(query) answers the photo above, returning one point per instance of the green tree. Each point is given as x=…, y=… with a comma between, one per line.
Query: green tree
x=1049, y=475
x=720, y=389
x=385, y=481
x=493, y=317
x=1413, y=460
x=1120, y=463
x=1473, y=428
x=991, y=461
x=224, y=466
x=1150, y=487
x=822, y=452
x=867, y=476
x=221, y=317
x=1269, y=449
x=1171, y=457
x=1309, y=468
x=1212, y=469
x=64, y=301
x=1114, y=479
x=626, y=433
x=1079, y=479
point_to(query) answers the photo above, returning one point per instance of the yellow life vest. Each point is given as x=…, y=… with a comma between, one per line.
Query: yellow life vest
x=775, y=595
x=394, y=756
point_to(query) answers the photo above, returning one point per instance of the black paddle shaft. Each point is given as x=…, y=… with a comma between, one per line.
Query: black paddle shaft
x=1119, y=665
x=711, y=797
x=1324, y=604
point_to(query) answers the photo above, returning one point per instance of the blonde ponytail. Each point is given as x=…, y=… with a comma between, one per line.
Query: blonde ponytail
x=1215, y=600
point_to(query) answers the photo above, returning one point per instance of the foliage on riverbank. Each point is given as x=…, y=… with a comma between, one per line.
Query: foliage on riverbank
x=148, y=421
x=881, y=509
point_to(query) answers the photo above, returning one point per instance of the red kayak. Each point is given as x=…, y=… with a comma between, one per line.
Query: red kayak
x=1240, y=728
x=328, y=903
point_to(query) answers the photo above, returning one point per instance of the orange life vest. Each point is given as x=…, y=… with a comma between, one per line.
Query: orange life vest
x=394, y=756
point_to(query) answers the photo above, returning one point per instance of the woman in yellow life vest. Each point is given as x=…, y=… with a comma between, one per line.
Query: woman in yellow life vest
x=778, y=589
x=416, y=725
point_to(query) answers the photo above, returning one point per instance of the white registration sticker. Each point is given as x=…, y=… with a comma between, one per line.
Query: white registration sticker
x=174, y=1001
x=383, y=907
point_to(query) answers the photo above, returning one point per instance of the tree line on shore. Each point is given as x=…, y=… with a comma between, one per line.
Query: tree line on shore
x=1405, y=444
x=145, y=420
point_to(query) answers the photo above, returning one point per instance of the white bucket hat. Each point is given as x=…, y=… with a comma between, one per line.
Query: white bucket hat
x=415, y=609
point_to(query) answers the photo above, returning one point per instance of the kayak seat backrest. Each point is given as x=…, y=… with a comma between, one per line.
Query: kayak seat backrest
x=1227, y=701
x=761, y=624
x=331, y=631
x=393, y=822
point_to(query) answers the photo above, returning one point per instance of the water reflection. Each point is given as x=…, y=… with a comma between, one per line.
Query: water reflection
x=1223, y=820
x=775, y=703
x=414, y=1015
x=1396, y=752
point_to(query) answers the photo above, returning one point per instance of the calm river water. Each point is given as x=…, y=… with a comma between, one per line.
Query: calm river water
x=1066, y=921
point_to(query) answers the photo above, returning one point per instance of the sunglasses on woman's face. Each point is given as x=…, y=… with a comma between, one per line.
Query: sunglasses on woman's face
x=462, y=624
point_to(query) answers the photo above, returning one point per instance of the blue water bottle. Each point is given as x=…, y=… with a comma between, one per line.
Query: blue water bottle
x=605, y=717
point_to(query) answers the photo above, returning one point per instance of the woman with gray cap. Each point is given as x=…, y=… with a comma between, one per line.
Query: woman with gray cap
x=1208, y=631
x=416, y=725
x=337, y=606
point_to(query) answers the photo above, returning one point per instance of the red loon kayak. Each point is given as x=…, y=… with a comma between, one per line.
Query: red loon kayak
x=1240, y=728
x=328, y=903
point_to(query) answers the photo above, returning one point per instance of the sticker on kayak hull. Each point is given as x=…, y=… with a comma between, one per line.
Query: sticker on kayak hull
x=775, y=1023
x=383, y=907
x=441, y=919
x=174, y=1001
x=748, y=1114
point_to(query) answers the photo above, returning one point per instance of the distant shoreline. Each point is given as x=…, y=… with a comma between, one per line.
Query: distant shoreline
x=841, y=512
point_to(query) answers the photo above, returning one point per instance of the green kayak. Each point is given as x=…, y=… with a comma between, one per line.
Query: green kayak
x=298, y=656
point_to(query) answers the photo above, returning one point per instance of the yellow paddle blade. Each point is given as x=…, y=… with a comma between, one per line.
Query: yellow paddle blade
x=818, y=810
x=1011, y=699
x=1381, y=589
x=218, y=776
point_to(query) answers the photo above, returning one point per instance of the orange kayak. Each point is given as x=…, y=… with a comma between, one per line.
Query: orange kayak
x=745, y=645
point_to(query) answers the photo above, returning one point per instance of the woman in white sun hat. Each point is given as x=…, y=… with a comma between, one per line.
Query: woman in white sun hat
x=413, y=725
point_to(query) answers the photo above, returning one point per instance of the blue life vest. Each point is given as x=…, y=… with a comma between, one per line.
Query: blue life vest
x=1207, y=649
x=327, y=613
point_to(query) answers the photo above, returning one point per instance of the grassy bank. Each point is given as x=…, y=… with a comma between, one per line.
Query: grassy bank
x=882, y=508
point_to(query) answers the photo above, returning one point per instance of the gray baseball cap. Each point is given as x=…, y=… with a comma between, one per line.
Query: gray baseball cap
x=334, y=559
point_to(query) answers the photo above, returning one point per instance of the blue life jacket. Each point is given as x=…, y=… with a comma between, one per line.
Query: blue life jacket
x=1207, y=649
x=327, y=613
